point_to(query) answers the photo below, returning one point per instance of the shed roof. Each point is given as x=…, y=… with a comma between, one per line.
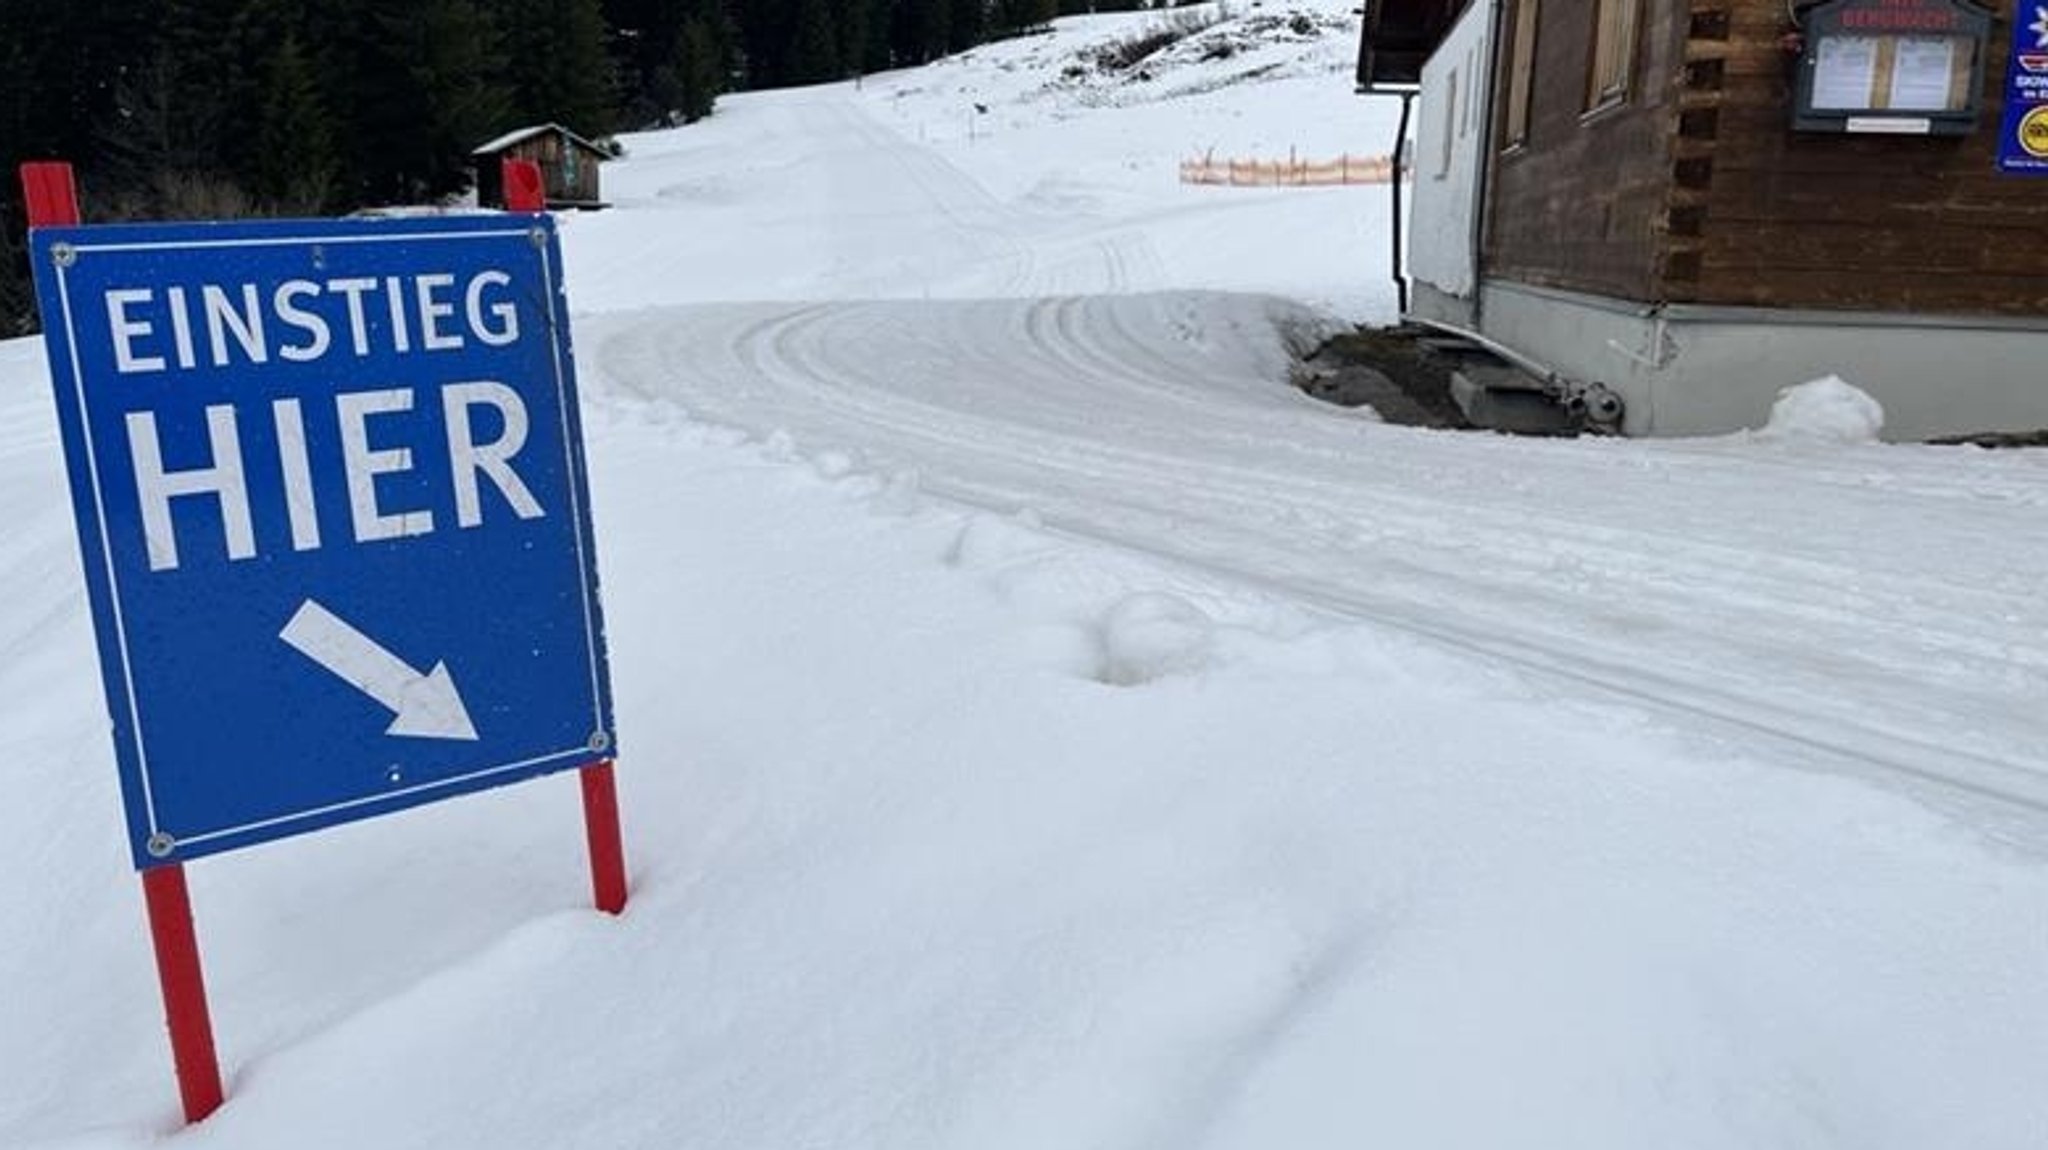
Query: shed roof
x=518, y=135
x=1397, y=36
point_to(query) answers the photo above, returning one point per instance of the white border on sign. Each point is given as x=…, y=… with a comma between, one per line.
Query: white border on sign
x=99, y=510
x=572, y=472
x=575, y=506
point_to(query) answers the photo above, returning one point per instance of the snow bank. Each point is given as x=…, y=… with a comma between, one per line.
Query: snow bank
x=1150, y=635
x=1829, y=409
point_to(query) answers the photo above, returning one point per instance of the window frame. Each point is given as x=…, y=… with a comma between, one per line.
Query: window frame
x=1451, y=120
x=1516, y=100
x=1612, y=53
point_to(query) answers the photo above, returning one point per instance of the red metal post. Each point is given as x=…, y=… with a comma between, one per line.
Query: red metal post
x=51, y=197
x=50, y=194
x=524, y=189
x=601, y=827
x=525, y=192
x=177, y=970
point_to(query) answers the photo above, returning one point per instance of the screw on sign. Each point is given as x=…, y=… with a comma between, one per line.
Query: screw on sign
x=329, y=484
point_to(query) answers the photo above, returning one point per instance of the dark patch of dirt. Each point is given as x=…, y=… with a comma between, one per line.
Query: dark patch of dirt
x=1389, y=369
x=1996, y=439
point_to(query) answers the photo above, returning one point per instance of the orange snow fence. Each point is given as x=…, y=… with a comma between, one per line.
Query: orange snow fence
x=1291, y=172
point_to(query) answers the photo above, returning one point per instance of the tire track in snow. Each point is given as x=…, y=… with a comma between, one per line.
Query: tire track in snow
x=1017, y=249
x=966, y=205
x=1159, y=423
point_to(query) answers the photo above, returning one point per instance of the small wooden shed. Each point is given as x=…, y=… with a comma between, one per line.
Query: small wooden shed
x=568, y=165
x=1695, y=203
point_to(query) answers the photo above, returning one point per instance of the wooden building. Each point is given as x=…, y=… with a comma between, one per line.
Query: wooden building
x=568, y=166
x=1687, y=205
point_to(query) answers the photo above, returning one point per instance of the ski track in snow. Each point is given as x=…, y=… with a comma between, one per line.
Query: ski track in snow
x=1163, y=423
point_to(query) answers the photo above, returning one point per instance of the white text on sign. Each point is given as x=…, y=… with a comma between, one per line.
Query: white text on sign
x=158, y=329
x=302, y=321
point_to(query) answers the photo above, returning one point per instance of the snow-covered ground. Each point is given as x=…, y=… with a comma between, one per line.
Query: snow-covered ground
x=1044, y=728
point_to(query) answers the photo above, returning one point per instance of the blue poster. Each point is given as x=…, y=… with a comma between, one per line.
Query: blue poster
x=329, y=484
x=2023, y=139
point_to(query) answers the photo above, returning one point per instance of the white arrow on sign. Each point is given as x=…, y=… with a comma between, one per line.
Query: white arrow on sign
x=427, y=705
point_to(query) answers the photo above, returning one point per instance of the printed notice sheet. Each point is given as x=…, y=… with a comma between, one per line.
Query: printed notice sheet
x=1845, y=72
x=1923, y=73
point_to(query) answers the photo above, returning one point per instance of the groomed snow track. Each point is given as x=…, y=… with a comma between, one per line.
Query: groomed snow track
x=1633, y=572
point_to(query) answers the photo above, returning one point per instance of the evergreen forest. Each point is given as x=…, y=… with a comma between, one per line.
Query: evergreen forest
x=195, y=109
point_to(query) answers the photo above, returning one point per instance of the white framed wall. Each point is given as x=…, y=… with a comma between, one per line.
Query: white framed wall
x=1449, y=149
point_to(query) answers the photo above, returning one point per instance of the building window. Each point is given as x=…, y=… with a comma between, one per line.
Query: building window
x=1614, y=52
x=1443, y=159
x=1521, y=66
x=1470, y=123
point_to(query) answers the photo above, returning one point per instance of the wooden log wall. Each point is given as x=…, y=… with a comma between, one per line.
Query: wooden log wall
x=1583, y=205
x=1761, y=215
x=555, y=158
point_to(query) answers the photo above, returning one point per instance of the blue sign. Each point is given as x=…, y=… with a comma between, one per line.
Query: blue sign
x=329, y=484
x=2023, y=138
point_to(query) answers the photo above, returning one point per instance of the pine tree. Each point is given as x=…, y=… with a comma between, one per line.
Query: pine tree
x=17, y=302
x=874, y=44
x=700, y=58
x=171, y=123
x=815, y=55
x=668, y=58
x=700, y=69
x=59, y=67
x=555, y=64
x=1013, y=16
x=967, y=24
x=427, y=91
x=767, y=35
x=256, y=32
x=920, y=30
x=294, y=170
x=855, y=16
x=198, y=66
x=157, y=134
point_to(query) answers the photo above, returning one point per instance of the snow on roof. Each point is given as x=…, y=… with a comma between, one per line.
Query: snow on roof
x=518, y=134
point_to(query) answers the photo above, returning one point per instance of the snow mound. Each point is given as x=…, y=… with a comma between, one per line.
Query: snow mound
x=902, y=493
x=1153, y=634
x=834, y=464
x=988, y=542
x=1829, y=409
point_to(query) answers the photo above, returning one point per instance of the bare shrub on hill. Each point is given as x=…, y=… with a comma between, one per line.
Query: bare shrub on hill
x=1127, y=53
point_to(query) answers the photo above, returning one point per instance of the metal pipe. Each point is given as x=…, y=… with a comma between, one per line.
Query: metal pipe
x=1482, y=177
x=1505, y=352
x=1595, y=402
x=193, y=1055
x=1398, y=172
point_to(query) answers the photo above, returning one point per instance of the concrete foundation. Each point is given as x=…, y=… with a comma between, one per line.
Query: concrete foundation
x=1690, y=370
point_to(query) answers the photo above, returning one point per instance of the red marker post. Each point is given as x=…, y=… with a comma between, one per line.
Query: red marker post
x=526, y=192
x=524, y=189
x=184, y=989
x=52, y=199
x=601, y=828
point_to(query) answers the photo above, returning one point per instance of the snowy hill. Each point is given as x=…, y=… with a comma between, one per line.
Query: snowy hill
x=900, y=187
x=1043, y=727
